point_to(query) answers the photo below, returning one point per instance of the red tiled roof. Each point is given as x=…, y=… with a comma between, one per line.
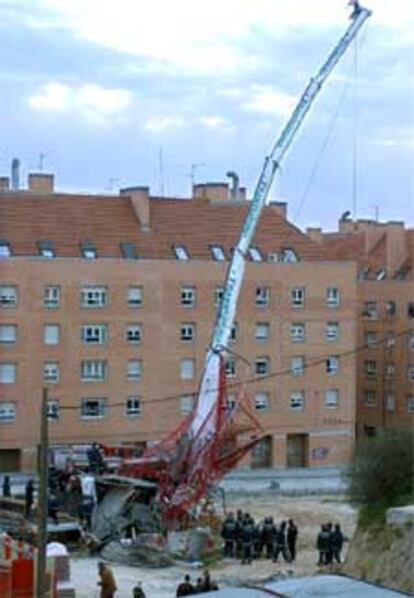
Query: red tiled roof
x=68, y=220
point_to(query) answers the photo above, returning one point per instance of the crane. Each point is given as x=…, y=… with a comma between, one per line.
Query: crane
x=190, y=460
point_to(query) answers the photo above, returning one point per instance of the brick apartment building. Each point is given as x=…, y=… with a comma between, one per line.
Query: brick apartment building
x=110, y=301
x=384, y=253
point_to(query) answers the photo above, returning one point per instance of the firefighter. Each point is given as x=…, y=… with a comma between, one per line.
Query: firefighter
x=292, y=535
x=268, y=536
x=247, y=540
x=322, y=545
x=228, y=533
x=257, y=542
x=280, y=544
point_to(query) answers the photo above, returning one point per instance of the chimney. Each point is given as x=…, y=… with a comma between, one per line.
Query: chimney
x=15, y=174
x=41, y=183
x=4, y=183
x=234, y=189
x=280, y=207
x=139, y=197
x=211, y=191
x=315, y=234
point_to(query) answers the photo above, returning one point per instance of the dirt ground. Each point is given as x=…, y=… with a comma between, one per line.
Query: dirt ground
x=308, y=513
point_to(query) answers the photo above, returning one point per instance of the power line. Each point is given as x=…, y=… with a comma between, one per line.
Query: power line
x=253, y=380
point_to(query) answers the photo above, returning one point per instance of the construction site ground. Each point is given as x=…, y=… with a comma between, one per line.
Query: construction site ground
x=309, y=512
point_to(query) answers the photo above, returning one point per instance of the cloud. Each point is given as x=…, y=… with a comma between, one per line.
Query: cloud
x=266, y=99
x=91, y=101
x=157, y=124
x=216, y=122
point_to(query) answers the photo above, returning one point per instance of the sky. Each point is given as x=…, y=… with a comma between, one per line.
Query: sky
x=109, y=94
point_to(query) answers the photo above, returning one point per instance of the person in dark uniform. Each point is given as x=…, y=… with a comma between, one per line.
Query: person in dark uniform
x=322, y=545
x=337, y=542
x=6, y=486
x=257, y=542
x=228, y=533
x=247, y=540
x=329, y=551
x=185, y=588
x=292, y=535
x=268, y=536
x=28, y=498
x=239, y=533
x=280, y=544
x=53, y=507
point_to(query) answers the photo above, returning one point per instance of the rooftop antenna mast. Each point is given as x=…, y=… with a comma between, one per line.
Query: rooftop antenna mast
x=42, y=157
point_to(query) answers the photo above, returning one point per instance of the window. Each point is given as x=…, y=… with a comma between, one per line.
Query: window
x=410, y=373
x=288, y=256
x=8, y=334
x=53, y=410
x=133, y=406
x=297, y=365
x=390, y=308
x=371, y=338
x=332, y=297
x=218, y=253
x=134, y=369
x=93, y=371
x=230, y=367
x=233, y=332
x=370, y=367
x=262, y=331
x=261, y=366
x=8, y=296
x=181, y=253
x=46, y=249
x=410, y=310
x=332, y=365
x=94, y=296
x=363, y=274
x=187, y=367
x=4, y=249
x=389, y=369
x=370, y=309
x=186, y=404
x=297, y=400
x=129, y=251
x=51, y=334
x=88, y=250
x=381, y=274
x=273, y=257
x=411, y=342
x=51, y=297
x=93, y=408
x=297, y=297
x=261, y=401
x=390, y=340
x=134, y=333
x=188, y=296
x=51, y=371
x=218, y=296
x=332, y=398
x=230, y=403
x=410, y=404
x=262, y=296
x=7, y=411
x=370, y=398
x=7, y=373
x=255, y=254
x=94, y=334
x=389, y=402
x=332, y=331
x=297, y=332
x=187, y=332
x=134, y=296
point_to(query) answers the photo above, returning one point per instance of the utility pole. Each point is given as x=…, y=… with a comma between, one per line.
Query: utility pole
x=42, y=499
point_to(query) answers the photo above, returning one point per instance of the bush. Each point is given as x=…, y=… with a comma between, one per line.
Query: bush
x=382, y=470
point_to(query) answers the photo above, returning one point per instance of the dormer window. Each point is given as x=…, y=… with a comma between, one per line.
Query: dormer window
x=46, y=249
x=218, y=253
x=255, y=254
x=381, y=274
x=129, y=251
x=273, y=257
x=289, y=256
x=181, y=253
x=88, y=250
x=4, y=249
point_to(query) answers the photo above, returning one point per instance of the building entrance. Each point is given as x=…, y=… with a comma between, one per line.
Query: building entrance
x=297, y=450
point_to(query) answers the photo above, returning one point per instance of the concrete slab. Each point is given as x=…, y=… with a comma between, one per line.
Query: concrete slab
x=330, y=586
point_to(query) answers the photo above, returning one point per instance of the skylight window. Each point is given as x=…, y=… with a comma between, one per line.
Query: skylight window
x=255, y=254
x=289, y=256
x=4, y=249
x=46, y=249
x=381, y=274
x=88, y=250
x=129, y=251
x=218, y=253
x=181, y=253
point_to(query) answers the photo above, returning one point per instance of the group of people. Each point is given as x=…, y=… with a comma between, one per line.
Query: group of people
x=203, y=584
x=108, y=585
x=329, y=544
x=245, y=539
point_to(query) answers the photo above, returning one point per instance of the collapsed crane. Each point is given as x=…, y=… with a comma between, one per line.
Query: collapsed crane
x=210, y=441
